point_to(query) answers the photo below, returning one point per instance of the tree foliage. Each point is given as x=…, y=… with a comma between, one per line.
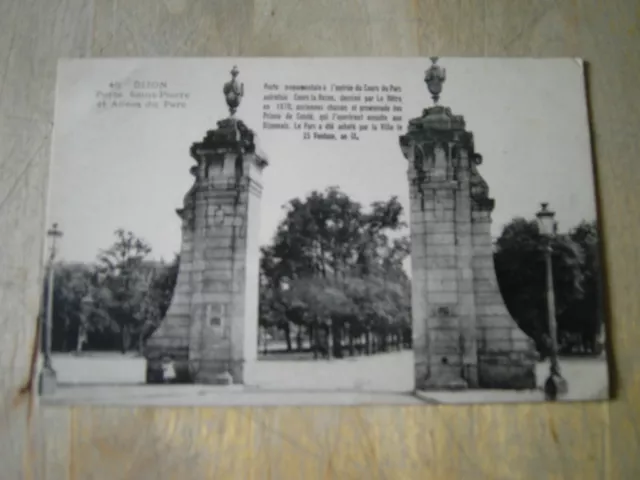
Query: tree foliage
x=584, y=317
x=335, y=269
x=123, y=285
x=333, y=277
x=117, y=302
x=521, y=271
x=72, y=284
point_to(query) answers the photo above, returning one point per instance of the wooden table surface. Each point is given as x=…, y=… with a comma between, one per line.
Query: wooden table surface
x=436, y=442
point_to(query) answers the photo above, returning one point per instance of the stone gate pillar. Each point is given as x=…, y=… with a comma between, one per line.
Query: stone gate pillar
x=463, y=335
x=211, y=325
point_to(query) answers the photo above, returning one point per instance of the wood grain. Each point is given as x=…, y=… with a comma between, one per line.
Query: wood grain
x=516, y=441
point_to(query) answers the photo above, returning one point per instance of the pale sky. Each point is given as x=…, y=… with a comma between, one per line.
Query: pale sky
x=130, y=168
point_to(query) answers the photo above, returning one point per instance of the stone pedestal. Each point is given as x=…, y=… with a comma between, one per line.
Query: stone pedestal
x=210, y=329
x=463, y=336
x=48, y=381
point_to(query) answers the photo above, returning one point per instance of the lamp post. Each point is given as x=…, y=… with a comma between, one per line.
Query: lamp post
x=554, y=385
x=48, y=374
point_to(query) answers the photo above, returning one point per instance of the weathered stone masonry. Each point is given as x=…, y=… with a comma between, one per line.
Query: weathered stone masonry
x=463, y=333
x=212, y=322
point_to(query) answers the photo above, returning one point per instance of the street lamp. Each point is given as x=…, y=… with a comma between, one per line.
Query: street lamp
x=48, y=374
x=555, y=385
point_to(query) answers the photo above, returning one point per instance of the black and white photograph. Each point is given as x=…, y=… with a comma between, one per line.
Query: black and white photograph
x=321, y=231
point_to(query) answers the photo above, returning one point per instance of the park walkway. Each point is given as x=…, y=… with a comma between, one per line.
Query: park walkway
x=378, y=379
x=383, y=372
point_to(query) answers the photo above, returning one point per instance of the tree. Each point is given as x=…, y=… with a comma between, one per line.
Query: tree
x=160, y=281
x=325, y=245
x=72, y=282
x=324, y=305
x=272, y=309
x=136, y=303
x=164, y=284
x=521, y=272
x=584, y=316
x=123, y=284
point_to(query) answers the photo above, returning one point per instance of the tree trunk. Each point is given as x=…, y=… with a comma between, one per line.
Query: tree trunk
x=367, y=342
x=336, y=332
x=309, y=329
x=65, y=335
x=313, y=340
x=323, y=267
x=79, y=339
x=141, y=342
x=124, y=339
x=351, y=345
x=265, y=340
x=287, y=333
x=299, y=339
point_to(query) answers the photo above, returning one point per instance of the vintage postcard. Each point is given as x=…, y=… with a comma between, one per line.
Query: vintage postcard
x=321, y=231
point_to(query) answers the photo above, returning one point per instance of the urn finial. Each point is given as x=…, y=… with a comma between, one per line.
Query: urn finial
x=233, y=91
x=434, y=77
